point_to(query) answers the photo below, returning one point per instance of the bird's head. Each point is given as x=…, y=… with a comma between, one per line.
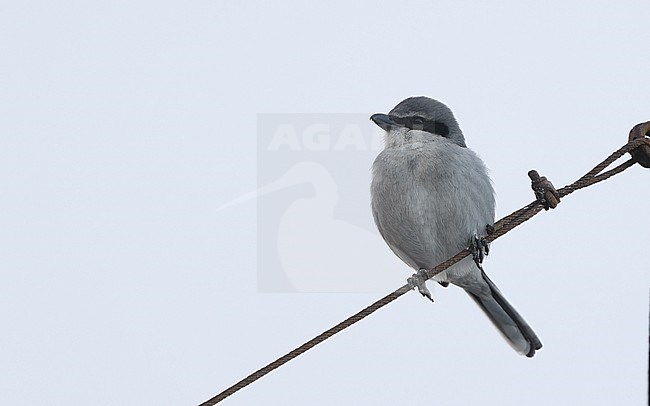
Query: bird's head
x=428, y=117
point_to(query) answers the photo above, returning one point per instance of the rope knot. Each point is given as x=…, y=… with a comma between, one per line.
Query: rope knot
x=641, y=154
x=545, y=192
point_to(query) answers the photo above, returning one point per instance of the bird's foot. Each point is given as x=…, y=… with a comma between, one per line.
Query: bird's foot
x=418, y=280
x=479, y=249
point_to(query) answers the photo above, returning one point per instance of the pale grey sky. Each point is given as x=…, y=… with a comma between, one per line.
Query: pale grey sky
x=126, y=126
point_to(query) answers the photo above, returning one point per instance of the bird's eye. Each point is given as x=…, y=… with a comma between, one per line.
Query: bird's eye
x=417, y=123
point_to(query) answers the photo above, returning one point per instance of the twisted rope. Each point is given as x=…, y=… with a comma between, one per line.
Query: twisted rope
x=500, y=228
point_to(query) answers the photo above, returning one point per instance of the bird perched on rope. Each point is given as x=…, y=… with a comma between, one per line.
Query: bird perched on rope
x=431, y=198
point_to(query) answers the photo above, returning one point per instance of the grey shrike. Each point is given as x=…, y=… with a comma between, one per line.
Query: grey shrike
x=431, y=198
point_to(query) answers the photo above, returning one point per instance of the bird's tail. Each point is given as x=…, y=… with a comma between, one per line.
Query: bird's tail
x=510, y=324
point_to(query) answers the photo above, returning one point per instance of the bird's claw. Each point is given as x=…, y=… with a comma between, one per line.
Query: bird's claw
x=418, y=280
x=479, y=249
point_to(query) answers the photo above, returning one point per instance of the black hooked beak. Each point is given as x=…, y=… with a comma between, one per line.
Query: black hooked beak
x=384, y=121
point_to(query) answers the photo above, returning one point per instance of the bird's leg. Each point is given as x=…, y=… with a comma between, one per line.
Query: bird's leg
x=418, y=280
x=479, y=249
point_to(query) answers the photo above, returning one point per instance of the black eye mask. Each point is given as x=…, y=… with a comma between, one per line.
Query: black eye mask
x=421, y=123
